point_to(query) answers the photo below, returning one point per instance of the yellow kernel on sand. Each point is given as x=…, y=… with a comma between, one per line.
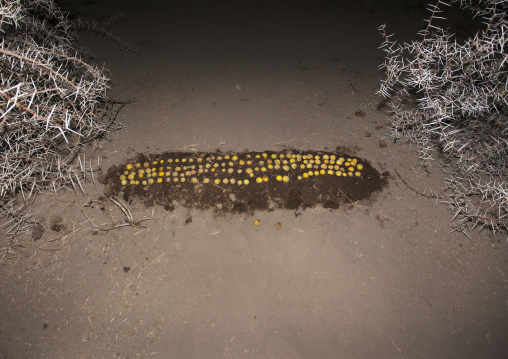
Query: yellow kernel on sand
x=248, y=170
x=357, y=174
x=234, y=158
x=302, y=166
x=226, y=157
x=285, y=167
x=216, y=181
x=347, y=164
x=225, y=181
x=316, y=173
x=322, y=172
x=270, y=167
x=138, y=165
x=256, y=222
x=232, y=181
x=263, y=169
x=359, y=166
x=350, y=173
x=241, y=162
x=285, y=179
x=231, y=163
x=278, y=178
x=264, y=155
x=206, y=180
x=144, y=183
x=124, y=182
x=159, y=180
x=150, y=181
x=305, y=175
x=129, y=166
x=175, y=179
x=122, y=177
x=161, y=174
x=330, y=172
x=230, y=170
x=338, y=173
x=294, y=166
x=126, y=173
x=274, y=155
x=245, y=181
x=182, y=179
x=350, y=169
x=259, y=180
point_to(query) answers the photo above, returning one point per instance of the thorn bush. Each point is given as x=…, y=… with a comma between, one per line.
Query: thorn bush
x=451, y=97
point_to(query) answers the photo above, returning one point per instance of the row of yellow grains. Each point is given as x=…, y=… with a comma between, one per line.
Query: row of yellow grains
x=179, y=170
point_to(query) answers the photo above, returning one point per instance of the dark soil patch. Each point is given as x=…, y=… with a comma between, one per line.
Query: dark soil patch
x=211, y=180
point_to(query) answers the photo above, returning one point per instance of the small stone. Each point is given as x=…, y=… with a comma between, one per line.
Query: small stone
x=367, y=134
x=382, y=143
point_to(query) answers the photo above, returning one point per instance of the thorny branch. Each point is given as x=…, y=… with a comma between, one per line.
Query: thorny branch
x=452, y=97
x=51, y=103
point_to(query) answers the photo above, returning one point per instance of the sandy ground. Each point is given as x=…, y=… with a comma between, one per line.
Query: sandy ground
x=382, y=278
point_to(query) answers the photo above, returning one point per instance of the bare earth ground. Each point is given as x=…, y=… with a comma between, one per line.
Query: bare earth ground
x=381, y=278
